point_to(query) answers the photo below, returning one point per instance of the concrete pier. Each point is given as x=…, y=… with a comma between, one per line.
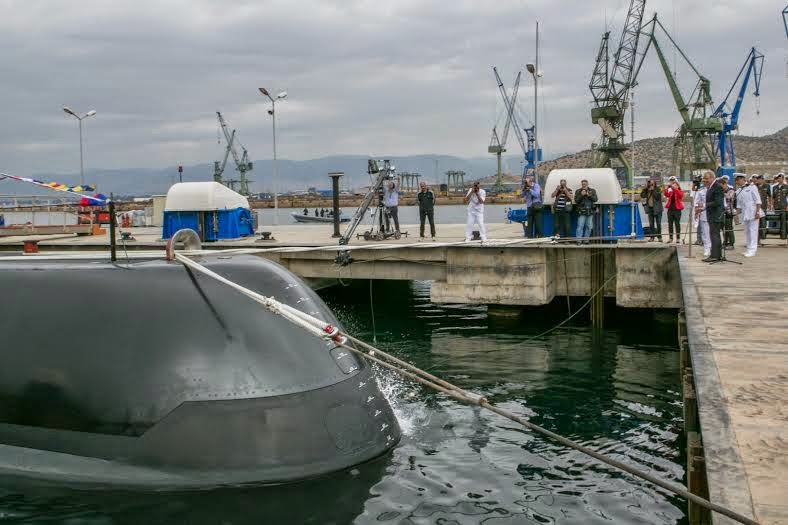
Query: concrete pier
x=737, y=330
x=638, y=274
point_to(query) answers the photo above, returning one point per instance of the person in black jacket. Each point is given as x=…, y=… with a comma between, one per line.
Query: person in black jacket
x=715, y=214
x=426, y=198
x=651, y=199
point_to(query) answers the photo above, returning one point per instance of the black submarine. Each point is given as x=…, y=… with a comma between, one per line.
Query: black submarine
x=145, y=373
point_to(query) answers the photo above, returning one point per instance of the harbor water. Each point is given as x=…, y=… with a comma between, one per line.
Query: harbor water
x=617, y=391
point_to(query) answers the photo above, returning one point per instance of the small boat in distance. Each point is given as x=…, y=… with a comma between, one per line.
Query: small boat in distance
x=299, y=217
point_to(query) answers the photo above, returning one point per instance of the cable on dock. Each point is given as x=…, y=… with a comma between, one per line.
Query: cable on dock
x=326, y=331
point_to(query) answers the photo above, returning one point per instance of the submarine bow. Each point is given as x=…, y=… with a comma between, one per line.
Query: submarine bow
x=149, y=373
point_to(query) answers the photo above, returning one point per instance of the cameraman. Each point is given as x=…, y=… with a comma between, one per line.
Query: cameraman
x=562, y=208
x=533, y=205
x=475, y=199
x=674, y=205
x=585, y=199
x=651, y=199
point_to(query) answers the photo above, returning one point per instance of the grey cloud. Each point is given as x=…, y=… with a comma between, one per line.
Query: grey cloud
x=385, y=77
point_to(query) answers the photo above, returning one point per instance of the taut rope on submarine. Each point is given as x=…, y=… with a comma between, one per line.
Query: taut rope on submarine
x=333, y=333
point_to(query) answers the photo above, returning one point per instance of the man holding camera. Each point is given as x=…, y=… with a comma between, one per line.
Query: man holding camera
x=651, y=199
x=585, y=199
x=533, y=206
x=562, y=207
x=715, y=215
x=674, y=204
x=475, y=199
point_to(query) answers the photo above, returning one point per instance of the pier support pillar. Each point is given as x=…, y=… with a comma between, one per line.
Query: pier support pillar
x=500, y=276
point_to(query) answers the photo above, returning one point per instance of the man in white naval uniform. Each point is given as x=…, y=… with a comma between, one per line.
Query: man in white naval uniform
x=700, y=213
x=748, y=205
x=475, y=199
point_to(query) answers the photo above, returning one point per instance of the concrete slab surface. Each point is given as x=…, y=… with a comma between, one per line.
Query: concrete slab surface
x=737, y=320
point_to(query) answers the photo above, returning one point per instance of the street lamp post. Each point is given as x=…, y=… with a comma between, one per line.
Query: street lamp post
x=533, y=69
x=80, y=119
x=272, y=112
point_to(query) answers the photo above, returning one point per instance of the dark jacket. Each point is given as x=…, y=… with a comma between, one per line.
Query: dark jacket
x=585, y=203
x=715, y=203
x=656, y=196
x=426, y=200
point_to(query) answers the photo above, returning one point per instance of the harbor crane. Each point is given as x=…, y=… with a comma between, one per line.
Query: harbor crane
x=693, y=147
x=498, y=143
x=610, y=90
x=752, y=67
x=242, y=162
x=528, y=145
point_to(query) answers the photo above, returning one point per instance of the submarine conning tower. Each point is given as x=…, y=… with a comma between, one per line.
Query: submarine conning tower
x=151, y=365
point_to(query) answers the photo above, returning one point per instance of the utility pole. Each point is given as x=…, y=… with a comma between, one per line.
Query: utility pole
x=632, y=167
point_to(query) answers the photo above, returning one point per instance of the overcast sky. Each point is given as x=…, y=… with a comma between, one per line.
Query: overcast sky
x=381, y=77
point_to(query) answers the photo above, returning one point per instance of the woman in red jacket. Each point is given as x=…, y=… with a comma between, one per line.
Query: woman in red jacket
x=674, y=205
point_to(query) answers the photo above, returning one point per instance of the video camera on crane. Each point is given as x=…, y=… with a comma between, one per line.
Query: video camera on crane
x=380, y=229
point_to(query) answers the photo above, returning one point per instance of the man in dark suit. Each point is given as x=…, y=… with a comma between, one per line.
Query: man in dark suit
x=715, y=214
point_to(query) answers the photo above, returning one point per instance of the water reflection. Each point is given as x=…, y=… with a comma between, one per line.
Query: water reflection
x=616, y=391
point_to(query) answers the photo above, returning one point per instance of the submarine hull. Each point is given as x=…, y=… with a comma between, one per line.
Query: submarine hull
x=149, y=374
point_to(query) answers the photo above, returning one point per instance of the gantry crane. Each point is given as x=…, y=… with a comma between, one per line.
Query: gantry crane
x=528, y=145
x=693, y=148
x=498, y=143
x=610, y=89
x=242, y=163
x=752, y=67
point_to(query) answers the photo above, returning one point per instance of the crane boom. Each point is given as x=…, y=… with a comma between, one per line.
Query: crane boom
x=610, y=91
x=242, y=163
x=752, y=67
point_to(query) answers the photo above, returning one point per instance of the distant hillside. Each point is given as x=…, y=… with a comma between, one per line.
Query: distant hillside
x=652, y=155
x=655, y=155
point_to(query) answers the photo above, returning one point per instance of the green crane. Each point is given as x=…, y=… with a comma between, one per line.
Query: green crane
x=693, y=147
x=242, y=162
x=610, y=88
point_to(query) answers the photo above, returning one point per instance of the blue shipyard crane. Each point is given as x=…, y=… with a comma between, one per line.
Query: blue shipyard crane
x=610, y=89
x=752, y=67
x=528, y=144
x=242, y=162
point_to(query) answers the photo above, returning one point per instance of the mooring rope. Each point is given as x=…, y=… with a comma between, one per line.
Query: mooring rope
x=327, y=331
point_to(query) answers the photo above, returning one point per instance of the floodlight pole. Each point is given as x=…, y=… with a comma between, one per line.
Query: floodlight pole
x=81, y=154
x=536, y=110
x=275, y=171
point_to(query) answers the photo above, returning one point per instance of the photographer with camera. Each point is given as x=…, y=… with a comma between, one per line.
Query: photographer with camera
x=651, y=198
x=562, y=208
x=585, y=199
x=533, y=206
x=673, y=203
x=475, y=199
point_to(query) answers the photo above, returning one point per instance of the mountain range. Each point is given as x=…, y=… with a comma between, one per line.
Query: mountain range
x=651, y=155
